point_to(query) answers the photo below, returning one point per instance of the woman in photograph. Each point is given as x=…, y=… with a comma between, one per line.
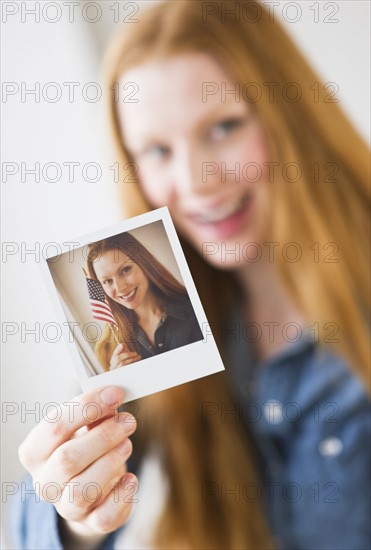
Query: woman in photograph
x=266, y=182
x=152, y=309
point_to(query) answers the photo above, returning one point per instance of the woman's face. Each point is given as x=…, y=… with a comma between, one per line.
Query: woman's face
x=122, y=279
x=199, y=147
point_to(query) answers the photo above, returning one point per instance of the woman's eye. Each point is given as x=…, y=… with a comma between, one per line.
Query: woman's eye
x=225, y=127
x=126, y=269
x=107, y=282
x=156, y=151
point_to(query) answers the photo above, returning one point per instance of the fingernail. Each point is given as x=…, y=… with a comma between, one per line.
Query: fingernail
x=111, y=395
x=128, y=421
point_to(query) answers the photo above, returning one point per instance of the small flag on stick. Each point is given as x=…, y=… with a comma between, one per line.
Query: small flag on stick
x=98, y=302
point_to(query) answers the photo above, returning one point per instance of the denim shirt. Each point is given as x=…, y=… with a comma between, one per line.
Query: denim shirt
x=310, y=419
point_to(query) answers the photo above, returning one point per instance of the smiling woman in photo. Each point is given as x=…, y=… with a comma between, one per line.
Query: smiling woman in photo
x=152, y=309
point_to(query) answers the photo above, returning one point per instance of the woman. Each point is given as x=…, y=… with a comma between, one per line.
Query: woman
x=263, y=190
x=152, y=309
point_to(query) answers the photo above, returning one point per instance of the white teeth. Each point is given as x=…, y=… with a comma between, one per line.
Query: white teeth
x=221, y=213
x=126, y=296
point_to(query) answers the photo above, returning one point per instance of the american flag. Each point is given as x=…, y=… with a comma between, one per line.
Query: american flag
x=99, y=305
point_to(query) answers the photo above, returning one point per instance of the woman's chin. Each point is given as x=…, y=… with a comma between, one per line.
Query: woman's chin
x=225, y=263
x=231, y=254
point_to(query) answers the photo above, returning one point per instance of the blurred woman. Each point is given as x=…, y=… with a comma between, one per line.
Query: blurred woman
x=267, y=186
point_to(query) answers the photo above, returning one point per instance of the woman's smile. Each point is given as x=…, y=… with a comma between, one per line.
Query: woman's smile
x=224, y=221
x=130, y=296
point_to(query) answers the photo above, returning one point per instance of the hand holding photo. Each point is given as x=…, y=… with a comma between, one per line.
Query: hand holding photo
x=133, y=312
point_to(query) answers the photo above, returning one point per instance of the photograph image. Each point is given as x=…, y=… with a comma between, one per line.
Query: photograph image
x=127, y=306
x=141, y=308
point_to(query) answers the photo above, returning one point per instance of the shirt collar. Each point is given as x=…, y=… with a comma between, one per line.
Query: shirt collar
x=175, y=308
x=305, y=340
x=254, y=379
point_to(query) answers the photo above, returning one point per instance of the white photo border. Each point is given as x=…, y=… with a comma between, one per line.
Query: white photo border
x=159, y=372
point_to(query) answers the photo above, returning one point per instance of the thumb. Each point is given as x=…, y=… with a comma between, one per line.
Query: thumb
x=124, y=347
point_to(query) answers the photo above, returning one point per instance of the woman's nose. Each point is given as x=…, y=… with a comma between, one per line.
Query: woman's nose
x=192, y=174
x=116, y=288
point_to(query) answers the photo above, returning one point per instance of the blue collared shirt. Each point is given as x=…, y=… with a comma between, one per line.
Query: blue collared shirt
x=310, y=420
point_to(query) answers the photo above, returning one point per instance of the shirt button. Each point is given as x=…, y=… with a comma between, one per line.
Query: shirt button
x=160, y=345
x=332, y=446
x=273, y=411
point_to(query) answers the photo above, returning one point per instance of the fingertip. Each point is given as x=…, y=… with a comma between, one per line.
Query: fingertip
x=112, y=395
x=129, y=480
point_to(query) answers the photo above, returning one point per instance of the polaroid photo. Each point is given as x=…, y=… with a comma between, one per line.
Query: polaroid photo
x=130, y=309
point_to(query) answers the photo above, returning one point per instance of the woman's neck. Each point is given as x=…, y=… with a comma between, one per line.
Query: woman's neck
x=151, y=308
x=268, y=305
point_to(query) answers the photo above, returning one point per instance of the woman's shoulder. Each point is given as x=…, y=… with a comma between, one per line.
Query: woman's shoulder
x=327, y=376
x=307, y=390
x=179, y=306
x=304, y=371
x=185, y=325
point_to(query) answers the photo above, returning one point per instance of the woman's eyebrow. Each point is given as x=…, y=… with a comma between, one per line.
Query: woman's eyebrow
x=142, y=141
x=224, y=111
x=117, y=269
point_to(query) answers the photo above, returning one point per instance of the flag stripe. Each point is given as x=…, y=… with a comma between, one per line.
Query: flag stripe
x=95, y=307
x=99, y=306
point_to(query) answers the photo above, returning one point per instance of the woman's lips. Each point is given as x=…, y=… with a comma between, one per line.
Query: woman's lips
x=214, y=226
x=130, y=296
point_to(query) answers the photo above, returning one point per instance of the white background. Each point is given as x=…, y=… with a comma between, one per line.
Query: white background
x=35, y=373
